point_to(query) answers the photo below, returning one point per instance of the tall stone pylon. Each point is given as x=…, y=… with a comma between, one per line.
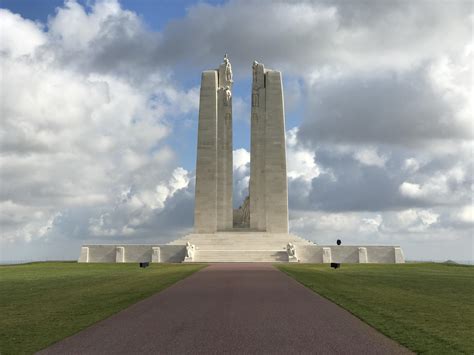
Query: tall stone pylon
x=268, y=179
x=213, y=197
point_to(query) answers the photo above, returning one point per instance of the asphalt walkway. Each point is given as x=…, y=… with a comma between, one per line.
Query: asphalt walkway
x=231, y=309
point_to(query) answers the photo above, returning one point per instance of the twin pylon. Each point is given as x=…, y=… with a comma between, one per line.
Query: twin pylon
x=268, y=190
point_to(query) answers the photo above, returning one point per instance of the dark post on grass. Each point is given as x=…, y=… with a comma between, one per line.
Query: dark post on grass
x=144, y=265
x=336, y=265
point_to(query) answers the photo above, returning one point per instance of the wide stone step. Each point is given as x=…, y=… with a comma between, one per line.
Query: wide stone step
x=242, y=237
x=263, y=247
x=240, y=256
x=241, y=241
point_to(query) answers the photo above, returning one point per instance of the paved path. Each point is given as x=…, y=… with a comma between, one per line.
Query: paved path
x=231, y=309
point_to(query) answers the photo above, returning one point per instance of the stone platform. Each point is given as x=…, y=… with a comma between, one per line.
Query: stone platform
x=241, y=246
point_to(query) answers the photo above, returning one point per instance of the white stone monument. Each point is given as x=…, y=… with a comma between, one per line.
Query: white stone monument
x=258, y=230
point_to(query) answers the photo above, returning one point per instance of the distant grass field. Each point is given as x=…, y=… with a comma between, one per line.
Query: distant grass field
x=41, y=303
x=427, y=307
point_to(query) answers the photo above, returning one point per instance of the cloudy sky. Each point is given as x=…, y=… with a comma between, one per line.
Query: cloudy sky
x=99, y=106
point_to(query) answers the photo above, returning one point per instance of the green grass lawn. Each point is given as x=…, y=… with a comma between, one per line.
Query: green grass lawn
x=41, y=303
x=427, y=307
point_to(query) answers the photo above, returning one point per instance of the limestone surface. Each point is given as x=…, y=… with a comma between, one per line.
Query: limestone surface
x=268, y=179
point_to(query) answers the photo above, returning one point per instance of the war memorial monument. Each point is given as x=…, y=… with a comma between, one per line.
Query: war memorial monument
x=258, y=230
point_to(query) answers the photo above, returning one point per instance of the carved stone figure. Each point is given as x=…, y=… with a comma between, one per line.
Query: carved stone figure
x=254, y=69
x=189, y=251
x=254, y=99
x=290, y=249
x=228, y=69
x=227, y=96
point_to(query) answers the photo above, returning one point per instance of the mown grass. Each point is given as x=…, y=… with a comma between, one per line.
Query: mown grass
x=427, y=307
x=41, y=303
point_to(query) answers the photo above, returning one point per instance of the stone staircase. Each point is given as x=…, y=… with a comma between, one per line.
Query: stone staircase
x=241, y=246
x=240, y=256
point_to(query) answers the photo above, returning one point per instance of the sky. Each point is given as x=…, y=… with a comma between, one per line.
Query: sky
x=99, y=108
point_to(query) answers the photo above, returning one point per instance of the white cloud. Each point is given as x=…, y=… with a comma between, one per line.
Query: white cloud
x=76, y=141
x=310, y=36
x=410, y=220
x=418, y=231
x=19, y=36
x=371, y=224
x=411, y=165
x=301, y=163
x=352, y=228
x=466, y=214
x=137, y=207
x=75, y=29
x=241, y=158
x=405, y=108
x=438, y=188
x=241, y=175
x=369, y=156
x=411, y=190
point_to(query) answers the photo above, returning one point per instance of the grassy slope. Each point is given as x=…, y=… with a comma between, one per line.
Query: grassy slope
x=426, y=307
x=41, y=303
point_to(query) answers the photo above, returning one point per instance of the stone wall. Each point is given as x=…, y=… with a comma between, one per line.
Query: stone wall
x=132, y=253
x=317, y=254
x=349, y=254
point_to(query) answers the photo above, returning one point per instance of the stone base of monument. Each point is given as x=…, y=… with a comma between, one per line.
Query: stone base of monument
x=240, y=246
x=252, y=246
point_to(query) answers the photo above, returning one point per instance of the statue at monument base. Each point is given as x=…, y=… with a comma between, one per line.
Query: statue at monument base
x=190, y=249
x=290, y=249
